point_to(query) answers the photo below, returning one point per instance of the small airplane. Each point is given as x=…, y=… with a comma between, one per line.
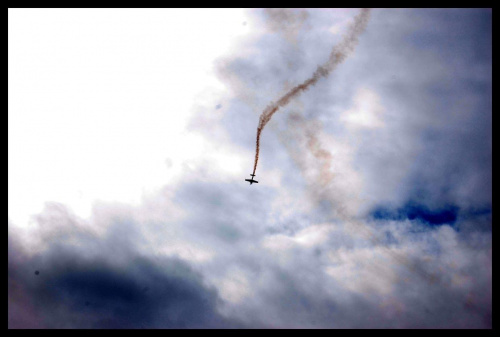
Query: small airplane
x=251, y=181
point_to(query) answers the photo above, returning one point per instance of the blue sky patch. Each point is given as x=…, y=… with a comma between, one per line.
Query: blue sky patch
x=415, y=211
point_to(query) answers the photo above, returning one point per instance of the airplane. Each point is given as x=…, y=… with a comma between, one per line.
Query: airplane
x=251, y=181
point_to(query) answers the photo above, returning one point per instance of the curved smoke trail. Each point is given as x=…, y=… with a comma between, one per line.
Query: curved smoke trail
x=338, y=54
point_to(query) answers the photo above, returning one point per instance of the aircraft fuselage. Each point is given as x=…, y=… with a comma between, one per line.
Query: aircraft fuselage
x=251, y=181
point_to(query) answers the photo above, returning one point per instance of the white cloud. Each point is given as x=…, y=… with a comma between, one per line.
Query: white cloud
x=235, y=286
x=366, y=112
x=99, y=99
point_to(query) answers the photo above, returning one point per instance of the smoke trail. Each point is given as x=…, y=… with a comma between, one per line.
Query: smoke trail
x=338, y=54
x=323, y=186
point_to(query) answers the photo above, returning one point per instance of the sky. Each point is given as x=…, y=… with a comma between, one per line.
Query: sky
x=131, y=132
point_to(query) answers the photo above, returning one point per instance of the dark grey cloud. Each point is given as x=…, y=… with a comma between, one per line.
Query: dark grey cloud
x=83, y=287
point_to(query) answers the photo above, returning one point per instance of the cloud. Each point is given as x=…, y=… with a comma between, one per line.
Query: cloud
x=289, y=22
x=317, y=275
x=104, y=282
x=373, y=212
x=366, y=112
